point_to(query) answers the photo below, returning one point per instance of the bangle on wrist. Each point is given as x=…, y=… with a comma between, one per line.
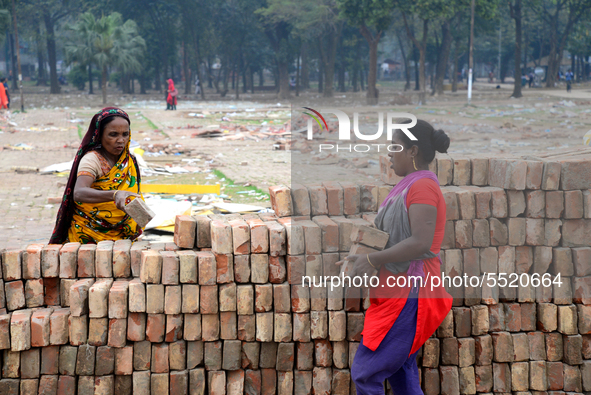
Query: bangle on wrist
x=371, y=264
x=115, y=194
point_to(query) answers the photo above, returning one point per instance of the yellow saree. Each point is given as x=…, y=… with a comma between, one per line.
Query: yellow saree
x=94, y=222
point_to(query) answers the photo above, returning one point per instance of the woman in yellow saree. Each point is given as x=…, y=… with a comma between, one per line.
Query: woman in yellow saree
x=104, y=176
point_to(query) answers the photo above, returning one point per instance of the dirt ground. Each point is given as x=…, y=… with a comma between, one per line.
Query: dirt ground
x=249, y=130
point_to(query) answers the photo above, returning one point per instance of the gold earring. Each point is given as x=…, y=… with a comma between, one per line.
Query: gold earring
x=413, y=163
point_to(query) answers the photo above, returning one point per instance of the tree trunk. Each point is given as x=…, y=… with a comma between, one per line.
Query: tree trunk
x=13, y=64
x=329, y=58
x=444, y=51
x=142, y=81
x=104, y=83
x=361, y=79
x=226, y=77
x=320, y=75
x=233, y=76
x=405, y=61
x=342, y=78
x=199, y=76
x=209, y=73
x=237, y=73
x=372, y=90
x=51, y=53
x=373, y=41
x=305, y=83
x=422, y=48
x=283, y=71
x=245, y=74
x=516, y=14
x=90, y=90
x=186, y=70
x=298, y=71
x=41, y=75
x=157, y=85
x=415, y=53
x=552, y=69
x=454, y=80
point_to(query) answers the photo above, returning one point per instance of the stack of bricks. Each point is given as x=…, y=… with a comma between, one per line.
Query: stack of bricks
x=223, y=309
x=512, y=216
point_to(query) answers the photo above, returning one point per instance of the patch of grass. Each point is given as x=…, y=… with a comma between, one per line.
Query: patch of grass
x=230, y=188
x=79, y=131
x=152, y=124
x=221, y=175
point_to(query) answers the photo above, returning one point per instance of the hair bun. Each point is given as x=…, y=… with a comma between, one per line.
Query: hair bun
x=440, y=141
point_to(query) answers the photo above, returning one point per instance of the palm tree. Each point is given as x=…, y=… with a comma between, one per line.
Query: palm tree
x=117, y=44
x=106, y=42
x=80, y=48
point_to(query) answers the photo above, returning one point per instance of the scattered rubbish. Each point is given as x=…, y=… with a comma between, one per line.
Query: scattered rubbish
x=193, y=114
x=185, y=189
x=57, y=168
x=25, y=169
x=166, y=211
x=567, y=103
x=20, y=147
x=236, y=207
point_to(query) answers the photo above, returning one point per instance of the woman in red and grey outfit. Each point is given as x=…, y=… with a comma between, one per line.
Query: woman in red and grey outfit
x=401, y=319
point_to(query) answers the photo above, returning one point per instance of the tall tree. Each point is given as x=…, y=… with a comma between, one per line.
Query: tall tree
x=51, y=12
x=372, y=18
x=426, y=11
x=314, y=21
x=108, y=42
x=80, y=48
x=552, y=11
x=278, y=31
x=516, y=14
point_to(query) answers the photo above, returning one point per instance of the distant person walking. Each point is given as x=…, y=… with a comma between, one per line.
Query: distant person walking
x=569, y=79
x=197, y=86
x=4, y=82
x=172, y=94
x=530, y=79
x=3, y=96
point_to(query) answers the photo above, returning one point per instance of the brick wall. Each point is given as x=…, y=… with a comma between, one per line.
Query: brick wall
x=223, y=310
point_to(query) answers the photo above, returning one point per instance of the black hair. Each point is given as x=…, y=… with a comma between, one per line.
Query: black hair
x=428, y=140
x=107, y=121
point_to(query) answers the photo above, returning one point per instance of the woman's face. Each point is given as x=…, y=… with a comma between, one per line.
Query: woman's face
x=115, y=136
x=401, y=162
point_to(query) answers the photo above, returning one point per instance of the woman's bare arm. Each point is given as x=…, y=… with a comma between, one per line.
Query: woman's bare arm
x=422, y=219
x=85, y=194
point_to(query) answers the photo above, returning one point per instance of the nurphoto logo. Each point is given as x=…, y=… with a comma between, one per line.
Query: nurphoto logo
x=392, y=119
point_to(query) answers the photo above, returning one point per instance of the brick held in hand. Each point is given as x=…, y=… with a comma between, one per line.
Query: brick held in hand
x=370, y=237
x=139, y=211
